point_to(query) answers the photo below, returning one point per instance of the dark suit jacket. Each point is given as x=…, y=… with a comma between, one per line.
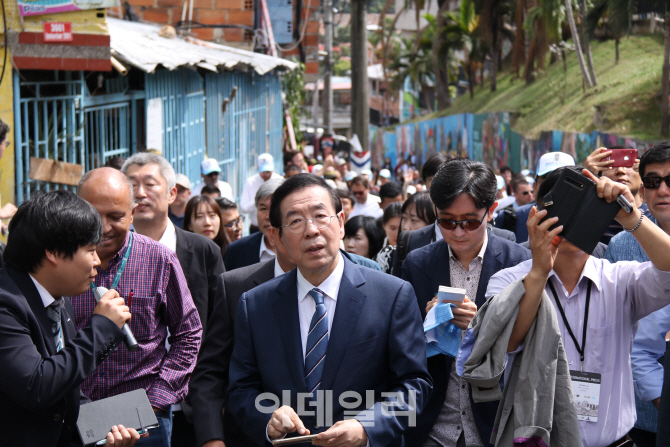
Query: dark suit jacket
x=427, y=269
x=200, y=259
x=426, y=235
x=209, y=382
x=244, y=252
x=375, y=343
x=39, y=388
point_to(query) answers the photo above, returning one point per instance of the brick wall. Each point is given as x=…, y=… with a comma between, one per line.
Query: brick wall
x=239, y=12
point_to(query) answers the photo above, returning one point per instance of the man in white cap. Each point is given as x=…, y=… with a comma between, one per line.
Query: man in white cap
x=209, y=170
x=266, y=167
x=384, y=177
x=177, y=208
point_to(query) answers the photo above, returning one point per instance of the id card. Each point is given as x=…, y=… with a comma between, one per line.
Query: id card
x=586, y=390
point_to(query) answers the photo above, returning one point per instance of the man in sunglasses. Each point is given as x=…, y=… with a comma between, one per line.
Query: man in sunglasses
x=464, y=194
x=649, y=344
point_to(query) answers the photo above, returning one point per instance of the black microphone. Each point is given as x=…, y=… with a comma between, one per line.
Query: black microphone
x=129, y=339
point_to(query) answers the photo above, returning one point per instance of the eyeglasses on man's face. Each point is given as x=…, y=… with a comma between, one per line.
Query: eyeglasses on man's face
x=297, y=224
x=236, y=223
x=654, y=182
x=467, y=225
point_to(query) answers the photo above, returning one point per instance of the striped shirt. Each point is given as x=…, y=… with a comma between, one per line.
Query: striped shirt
x=161, y=302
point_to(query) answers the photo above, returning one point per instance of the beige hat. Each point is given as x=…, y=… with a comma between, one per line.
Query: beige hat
x=182, y=180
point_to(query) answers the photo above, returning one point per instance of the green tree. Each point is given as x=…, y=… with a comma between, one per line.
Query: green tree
x=293, y=85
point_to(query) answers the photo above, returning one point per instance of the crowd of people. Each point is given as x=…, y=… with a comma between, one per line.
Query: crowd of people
x=313, y=323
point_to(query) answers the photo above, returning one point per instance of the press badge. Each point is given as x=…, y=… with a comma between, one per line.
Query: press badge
x=586, y=390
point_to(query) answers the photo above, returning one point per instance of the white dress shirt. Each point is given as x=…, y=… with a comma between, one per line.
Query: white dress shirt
x=278, y=270
x=369, y=208
x=47, y=299
x=169, y=238
x=265, y=254
x=225, y=188
x=621, y=295
x=306, y=305
x=248, y=199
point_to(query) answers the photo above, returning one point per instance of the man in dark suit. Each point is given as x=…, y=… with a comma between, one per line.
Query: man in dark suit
x=323, y=329
x=51, y=255
x=255, y=247
x=468, y=255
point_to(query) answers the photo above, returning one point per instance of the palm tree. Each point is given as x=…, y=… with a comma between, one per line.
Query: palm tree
x=415, y=65
x=619, y=15
x=578, y=47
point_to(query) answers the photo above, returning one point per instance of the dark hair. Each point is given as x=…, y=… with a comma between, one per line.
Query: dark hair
x=360, y=180
x=424, y=206
x=518, y=179
x=115, y=162
x=464, y=176
x=549, y=183
x=432, y=165
x=294, y=184
x=390, y=190
x=393, y=210
x=210, y=189
x=225, y=204
x=4, y=130
x=346, y=195
x=373, y=231
x=288, y=157
x=656, y=154
x=291, y=167
x=192, y=205
x=57, y=221
x=503, y=169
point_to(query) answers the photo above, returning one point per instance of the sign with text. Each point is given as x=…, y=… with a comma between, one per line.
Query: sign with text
x=57, y=32
x=36, y=7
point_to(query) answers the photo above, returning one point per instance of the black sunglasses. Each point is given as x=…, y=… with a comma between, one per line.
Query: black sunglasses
x=467, y=225
x=655, y=182
x=212, y=174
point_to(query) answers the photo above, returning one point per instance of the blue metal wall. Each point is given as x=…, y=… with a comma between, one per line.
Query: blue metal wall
x=252, y=123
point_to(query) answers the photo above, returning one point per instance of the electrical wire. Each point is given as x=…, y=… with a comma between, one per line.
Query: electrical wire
x=4, y=24
x=302, y=33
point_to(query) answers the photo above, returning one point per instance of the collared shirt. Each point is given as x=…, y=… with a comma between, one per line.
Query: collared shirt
x=161, y=302
x=248, y=199
x=278, y=270
x=456, y=414
x=369, y=208
x=169, y=238
x=306, y=305
x=47, y=299
x=621, y=295
x=178, y=221
x=225, y=188
x=265, y=254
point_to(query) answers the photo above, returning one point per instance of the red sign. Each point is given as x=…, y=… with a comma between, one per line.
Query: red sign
x=58, y=32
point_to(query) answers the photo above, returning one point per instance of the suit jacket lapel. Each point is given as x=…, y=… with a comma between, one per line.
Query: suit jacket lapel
x=34, y=300
x=441, y=265
x=184, y=252
x=285, y=308
x=67, y=322
x=350, y=301
x=491, y=265
x=266, y=273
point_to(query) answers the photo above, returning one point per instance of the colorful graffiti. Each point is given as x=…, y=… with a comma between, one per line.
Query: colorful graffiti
x=484, y=137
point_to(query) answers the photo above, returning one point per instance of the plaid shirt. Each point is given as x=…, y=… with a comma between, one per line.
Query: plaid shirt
x=161, y=302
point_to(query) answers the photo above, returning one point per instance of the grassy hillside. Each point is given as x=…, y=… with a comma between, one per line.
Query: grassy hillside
x=628, y=93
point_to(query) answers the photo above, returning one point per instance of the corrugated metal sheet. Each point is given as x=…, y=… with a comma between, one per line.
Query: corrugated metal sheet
x=139, y=45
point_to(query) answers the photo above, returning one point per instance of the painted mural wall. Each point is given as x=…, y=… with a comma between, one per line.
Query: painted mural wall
x=484, y=137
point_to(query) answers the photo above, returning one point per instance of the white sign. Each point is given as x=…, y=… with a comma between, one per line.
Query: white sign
x=155, y=124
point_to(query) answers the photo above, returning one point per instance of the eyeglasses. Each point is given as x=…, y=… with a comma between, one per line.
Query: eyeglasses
x=525, y=193
x=655, y=182
x=358, y=193
x=212, y=174
x=467, y=225
x=236, y=223
x=298, y=224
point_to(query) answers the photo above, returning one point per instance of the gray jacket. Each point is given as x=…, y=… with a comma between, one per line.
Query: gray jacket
x=537, y=402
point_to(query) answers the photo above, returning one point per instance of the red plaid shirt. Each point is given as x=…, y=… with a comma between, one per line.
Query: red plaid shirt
x=161, y=302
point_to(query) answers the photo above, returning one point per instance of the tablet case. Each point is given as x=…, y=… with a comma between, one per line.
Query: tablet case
x=584, y=216
x=132, y=410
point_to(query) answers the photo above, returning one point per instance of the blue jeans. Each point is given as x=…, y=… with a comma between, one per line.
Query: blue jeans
x=159, y=437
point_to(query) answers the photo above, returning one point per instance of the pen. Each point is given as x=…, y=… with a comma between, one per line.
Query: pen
x=130, y=297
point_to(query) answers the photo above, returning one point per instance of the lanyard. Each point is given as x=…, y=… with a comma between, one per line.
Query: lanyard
x=122, y=267
x=565, y=320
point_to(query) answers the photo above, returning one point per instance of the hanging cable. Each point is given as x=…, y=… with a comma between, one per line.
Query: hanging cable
x=4, y=24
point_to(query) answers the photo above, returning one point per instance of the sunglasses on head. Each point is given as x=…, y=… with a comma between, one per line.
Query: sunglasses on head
x=467, y=225
x=655, y=182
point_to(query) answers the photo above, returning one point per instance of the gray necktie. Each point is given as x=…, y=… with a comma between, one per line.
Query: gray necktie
x=54, y=314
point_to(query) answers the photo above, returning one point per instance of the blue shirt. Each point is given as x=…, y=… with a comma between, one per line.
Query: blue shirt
x=649, y=342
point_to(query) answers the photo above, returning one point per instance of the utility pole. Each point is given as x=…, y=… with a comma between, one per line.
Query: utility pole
x=328, y=65
x=360, y=108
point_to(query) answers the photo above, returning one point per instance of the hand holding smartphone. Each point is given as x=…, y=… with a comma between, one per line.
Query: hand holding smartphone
x=293, y=440
x=623, y=158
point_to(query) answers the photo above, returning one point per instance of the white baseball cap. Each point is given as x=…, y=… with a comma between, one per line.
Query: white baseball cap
x=367, y=172
x=349, y=176
x=182, y=180
x=209, y=165
x=411, y=190
x=500, y=181
x=552, y=161
x=385, y=173
x=266, y=163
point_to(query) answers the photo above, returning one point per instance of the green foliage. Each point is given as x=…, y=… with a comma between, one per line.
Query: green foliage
x=342, y=67
x=619, y=15
x=342, y=35
x=293, y=84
